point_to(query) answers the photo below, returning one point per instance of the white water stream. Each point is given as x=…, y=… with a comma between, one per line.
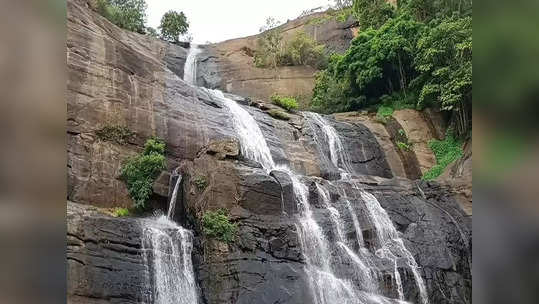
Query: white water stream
x=328, y=286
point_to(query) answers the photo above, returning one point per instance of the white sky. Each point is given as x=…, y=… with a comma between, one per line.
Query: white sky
x=218, y=20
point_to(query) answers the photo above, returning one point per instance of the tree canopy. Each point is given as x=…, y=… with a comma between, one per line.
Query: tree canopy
x=127, y=14
x=173, y=24
x=416, y=55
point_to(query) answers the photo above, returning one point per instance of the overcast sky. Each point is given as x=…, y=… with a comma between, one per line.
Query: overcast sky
x=218, y=20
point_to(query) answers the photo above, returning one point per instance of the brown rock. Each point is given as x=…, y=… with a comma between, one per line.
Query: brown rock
x=226, y=148
x=419, y=134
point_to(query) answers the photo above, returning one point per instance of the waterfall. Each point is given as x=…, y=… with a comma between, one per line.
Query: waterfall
x=337, y=154
x=390, y=245
x=253, y=143
x=173, y=198
x=167, y=251
x=326, y=286
x=328, y=262
x=190, y=67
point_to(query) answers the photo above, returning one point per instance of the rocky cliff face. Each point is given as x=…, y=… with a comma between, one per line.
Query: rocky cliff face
x=121, y=78
x=229, y=65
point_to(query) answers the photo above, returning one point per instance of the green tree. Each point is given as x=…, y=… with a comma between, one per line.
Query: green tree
x=444, y=60
x=127, y=14
x=150, y=31
x=379, y=62
x=173, y=24
x=372, y=13
x=269, y=49
x=415, y=56
x=303, y=50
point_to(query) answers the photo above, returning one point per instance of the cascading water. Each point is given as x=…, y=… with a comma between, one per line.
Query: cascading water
x=389, y=244
x=173, y=198
x=253, y=143
x=190, y=67
x=327, y=287
x=324, y=259
x=167, y=253
x=337, y=153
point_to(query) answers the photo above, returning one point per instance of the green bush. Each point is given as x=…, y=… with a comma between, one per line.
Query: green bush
x=278, y=114
x=446, y=151
x=216, y=224
x=154, y=145
x=121, y=212
x=287, y=103
x=384, y=113
x=127, y=14
x=139, y=172
x=118, y=134
x=304, y=50
x=300, y=50
x=201, y=182
x=173, y=24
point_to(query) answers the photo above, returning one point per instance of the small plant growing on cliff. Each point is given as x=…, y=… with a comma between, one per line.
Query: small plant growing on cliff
x=216, y=224
x=201, y=182
x=117, y=134
x=404, y=146
x=287, y=103
x=139, y=172
x=120, y=212
x=446, y=151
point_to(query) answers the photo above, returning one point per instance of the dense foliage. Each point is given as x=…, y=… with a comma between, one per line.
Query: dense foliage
x=372, y=13
x=272, y=51
x=416, y=55
x=287, y=103
x=139, y=172
x=216, y=224
x=127, y=14
x=173, y=24
x=446, y=151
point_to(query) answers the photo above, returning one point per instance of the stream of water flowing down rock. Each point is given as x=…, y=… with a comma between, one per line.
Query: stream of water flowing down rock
x=338, y=270
x=168, y=246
